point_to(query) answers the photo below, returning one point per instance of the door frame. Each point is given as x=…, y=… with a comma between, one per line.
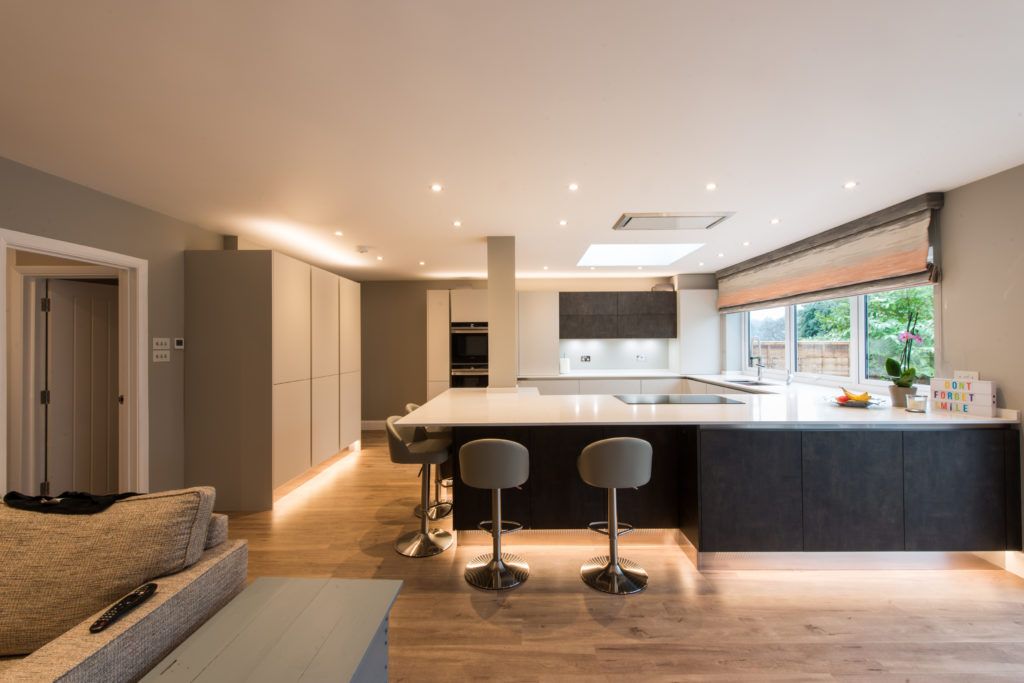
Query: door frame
x=133, y=331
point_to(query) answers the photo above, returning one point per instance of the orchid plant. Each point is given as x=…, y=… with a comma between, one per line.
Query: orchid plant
x=900, y=371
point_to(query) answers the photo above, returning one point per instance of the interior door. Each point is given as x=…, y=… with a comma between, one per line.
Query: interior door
x=82, y=429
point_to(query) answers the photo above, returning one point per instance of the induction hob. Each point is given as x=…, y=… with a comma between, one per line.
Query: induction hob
x=650, y=399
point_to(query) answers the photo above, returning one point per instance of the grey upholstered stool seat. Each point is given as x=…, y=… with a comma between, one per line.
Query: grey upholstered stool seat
x=440, y=508
x=611, y=464
x=424, y=542
x=495, y=464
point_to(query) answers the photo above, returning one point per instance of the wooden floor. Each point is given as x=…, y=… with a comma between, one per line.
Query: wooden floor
x=922, y=625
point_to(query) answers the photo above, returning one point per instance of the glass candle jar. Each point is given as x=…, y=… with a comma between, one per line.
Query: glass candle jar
x=916, y=404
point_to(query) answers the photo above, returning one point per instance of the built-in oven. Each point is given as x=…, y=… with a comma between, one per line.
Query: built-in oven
x=469, y=344
x=469, y=376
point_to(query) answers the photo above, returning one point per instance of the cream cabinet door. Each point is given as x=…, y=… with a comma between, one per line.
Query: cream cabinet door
x=291, y=444
x=469, y=306
x=325, y=418
x=324, y=323
x=351, y=325
x=553, y=387
x=438, y=336
x=610, y=386
x=665, y=386
x=350, y=409
x=538, y=333
x=290, y=291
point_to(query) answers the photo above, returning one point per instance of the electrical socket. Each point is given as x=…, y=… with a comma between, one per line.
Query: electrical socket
x=584, y=359
x=161, y=356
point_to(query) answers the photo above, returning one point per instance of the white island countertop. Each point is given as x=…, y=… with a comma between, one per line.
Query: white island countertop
x=794, y=409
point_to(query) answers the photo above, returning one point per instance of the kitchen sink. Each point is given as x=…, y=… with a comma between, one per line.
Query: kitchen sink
x=748, y=382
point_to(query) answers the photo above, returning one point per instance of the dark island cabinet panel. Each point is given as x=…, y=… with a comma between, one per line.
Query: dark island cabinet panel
x=655, y=504
x=955, y=489
x=559, y=498
x=473, y=505
x=1011, y=452
x=852, y=490
x=750, y=491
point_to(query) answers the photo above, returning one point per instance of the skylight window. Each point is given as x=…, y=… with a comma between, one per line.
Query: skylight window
x=635, y=254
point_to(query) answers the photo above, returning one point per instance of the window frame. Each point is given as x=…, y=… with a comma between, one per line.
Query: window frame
x=858, y=346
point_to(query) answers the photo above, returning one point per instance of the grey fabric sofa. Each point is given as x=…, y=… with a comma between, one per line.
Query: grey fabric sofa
x=133, y=645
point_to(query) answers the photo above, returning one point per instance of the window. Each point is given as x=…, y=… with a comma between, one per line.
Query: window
x=886, y=315
x=823, y=337
x=766, y=337
x=847, y=338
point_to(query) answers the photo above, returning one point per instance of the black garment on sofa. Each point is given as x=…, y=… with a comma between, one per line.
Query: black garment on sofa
x=67, y=503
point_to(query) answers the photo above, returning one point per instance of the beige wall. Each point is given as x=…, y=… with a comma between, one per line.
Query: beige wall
x=982, y=290
x=41, y=204
x=394, y=337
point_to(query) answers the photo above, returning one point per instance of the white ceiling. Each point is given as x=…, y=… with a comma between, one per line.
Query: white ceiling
x=283, y=122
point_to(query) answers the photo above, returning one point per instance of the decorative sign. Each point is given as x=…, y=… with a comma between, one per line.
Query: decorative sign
x=964, y=396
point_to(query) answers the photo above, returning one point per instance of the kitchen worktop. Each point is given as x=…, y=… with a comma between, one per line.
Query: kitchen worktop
x=609, y=374
x=789, y=408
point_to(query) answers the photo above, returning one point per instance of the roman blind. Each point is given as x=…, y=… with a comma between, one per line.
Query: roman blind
x=888, y=249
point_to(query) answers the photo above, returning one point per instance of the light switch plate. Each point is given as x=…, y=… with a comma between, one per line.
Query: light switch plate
x=161, y=356
x=161, y=342
x=179, y=343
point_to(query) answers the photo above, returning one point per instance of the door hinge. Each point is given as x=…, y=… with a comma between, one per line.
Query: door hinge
x=44, y=304
x=44, y=397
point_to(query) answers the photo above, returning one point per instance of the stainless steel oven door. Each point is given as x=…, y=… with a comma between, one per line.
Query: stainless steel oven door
x=469, y=377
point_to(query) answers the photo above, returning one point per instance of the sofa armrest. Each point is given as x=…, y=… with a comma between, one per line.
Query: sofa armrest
x=135, y=643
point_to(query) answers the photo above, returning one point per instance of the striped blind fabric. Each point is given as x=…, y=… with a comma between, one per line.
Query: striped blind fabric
x=889, y=249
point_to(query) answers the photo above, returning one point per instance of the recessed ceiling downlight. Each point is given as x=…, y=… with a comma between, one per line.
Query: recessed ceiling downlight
x=635, y=254
x=671, y=221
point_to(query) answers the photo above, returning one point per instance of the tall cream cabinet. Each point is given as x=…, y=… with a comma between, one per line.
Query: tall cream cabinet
x=271, y=371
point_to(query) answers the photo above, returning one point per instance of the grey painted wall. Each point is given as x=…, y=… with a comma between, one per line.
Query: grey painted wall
x=394, y=336
x=982, y=289
x=41, y=204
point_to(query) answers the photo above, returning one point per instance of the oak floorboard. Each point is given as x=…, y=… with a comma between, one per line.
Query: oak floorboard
x=830, y=625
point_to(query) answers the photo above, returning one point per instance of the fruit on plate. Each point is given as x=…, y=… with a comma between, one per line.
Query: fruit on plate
x=842, y=399
x=856, y=397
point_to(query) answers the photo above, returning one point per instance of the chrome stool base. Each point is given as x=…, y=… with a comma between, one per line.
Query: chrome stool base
x=490, y=574
x=419, y=544
x=619, y=579
x=437, y=511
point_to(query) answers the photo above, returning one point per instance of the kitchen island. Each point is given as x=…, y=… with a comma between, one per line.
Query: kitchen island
x=773, y=473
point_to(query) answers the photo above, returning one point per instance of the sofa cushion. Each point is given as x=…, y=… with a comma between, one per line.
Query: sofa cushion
x=217, y=532
x=62, y=568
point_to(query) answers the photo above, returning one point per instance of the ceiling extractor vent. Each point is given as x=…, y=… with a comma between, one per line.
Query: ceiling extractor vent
x=670, y=221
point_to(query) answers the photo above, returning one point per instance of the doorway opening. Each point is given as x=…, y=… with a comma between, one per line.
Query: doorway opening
x=75, y=380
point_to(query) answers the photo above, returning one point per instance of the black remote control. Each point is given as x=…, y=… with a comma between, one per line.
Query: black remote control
x=123, y=607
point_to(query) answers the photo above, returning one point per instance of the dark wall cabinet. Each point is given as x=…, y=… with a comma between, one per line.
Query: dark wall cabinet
x=617, y=315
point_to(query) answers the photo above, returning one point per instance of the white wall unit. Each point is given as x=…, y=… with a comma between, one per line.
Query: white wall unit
x=291, y=318
x=700, y=334
x=436, y=388
x=538, y=333
x=291, y=430
x=438, y=341
x=350, y=421
x=559, y=387
x=664, y=386
x=610, y=386
x=469, y=306
x=323, y=323
x=350, y=314
x=324, y=431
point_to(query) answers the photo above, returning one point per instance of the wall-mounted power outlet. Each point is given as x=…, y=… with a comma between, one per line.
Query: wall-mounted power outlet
x=161, y=356
x=584, y=359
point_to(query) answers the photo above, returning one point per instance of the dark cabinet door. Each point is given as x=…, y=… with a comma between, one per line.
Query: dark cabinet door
x=750, y=490
x=471, y=505
x=641, y=303
x=587, y=326
x=588, y=303
x=646, y=326
x=655, y=504
x=853, y=490
x=955, y=489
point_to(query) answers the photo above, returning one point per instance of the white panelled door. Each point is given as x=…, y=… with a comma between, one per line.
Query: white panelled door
x=82, y=425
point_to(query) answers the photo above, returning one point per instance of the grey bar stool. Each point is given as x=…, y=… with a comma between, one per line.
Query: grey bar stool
x=424, y=542
x=612, y=464
x=440, y=508
x=495, y=464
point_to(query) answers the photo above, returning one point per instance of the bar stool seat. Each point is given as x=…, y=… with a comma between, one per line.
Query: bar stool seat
x=495, y=464
x=615, y=463
x=439, y=509
x=424, y=542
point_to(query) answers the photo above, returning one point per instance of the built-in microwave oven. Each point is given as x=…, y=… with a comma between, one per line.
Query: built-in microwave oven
x=469, y=344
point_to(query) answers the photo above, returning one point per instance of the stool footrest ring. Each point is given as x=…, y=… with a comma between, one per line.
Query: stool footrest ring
x=507, y=527
x=602, y=528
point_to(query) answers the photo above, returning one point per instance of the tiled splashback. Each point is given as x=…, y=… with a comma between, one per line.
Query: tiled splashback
x=615, y=354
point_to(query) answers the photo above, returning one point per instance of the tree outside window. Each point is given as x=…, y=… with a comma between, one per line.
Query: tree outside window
x=886, y=316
